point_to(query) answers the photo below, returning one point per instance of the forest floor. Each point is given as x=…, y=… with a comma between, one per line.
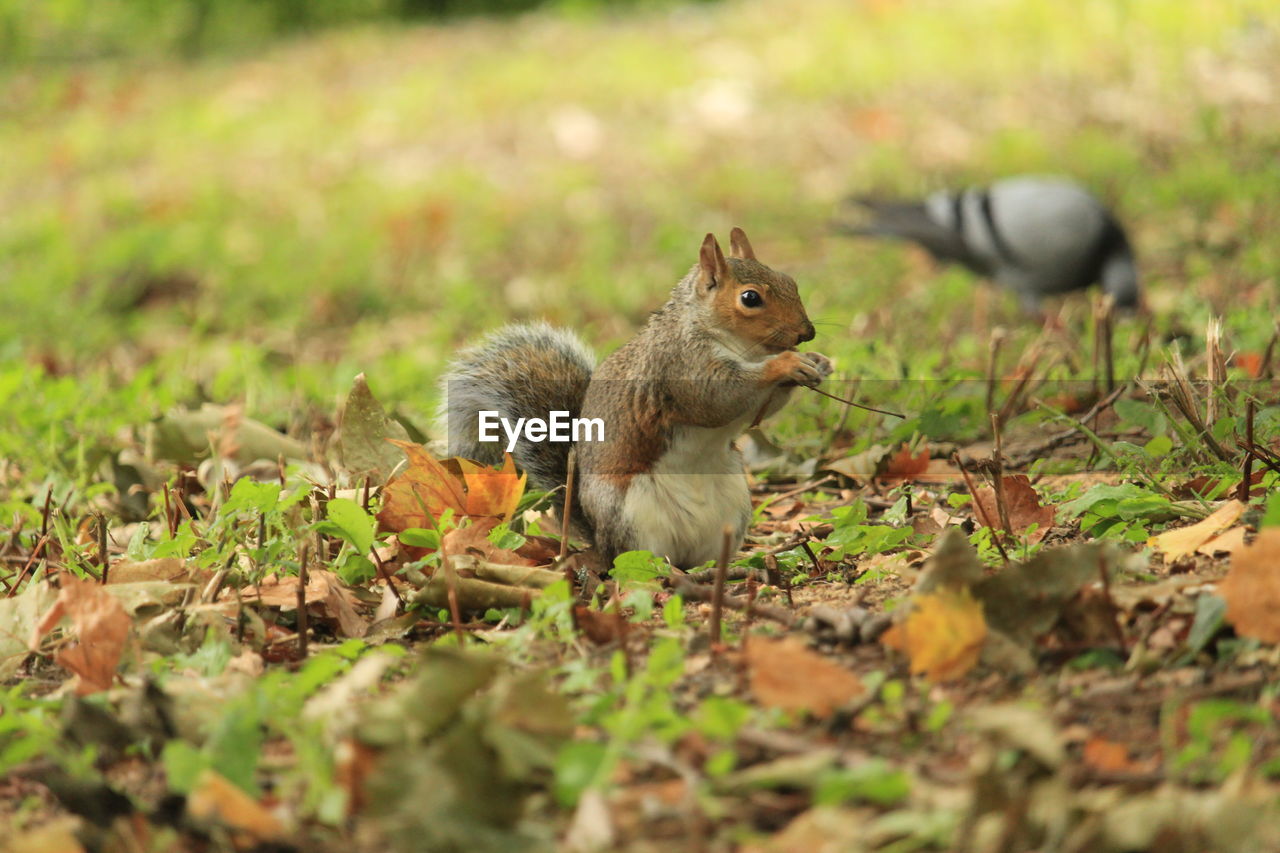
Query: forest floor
x=1038, y=612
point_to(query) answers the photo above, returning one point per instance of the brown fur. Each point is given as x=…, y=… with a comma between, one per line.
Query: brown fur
x=672, y=400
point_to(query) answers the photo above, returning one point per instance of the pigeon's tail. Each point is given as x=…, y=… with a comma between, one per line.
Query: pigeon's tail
x=902, y=220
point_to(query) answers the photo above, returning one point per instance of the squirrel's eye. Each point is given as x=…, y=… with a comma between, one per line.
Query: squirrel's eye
x=751, y=299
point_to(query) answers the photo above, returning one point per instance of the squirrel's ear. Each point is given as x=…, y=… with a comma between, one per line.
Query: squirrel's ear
x=712, y=267
x=740, y=246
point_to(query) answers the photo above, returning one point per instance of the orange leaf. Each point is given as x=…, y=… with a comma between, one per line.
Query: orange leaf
x=942, y=635
x=1185, y=540
x=428, y=487
x=1023, y=505
x=214, y=799
x=1252, y=588
x=490, y=491
x=786, y=674
x=903, y=466
x=1107, y=755
x=101, y=625
x=1250, y=363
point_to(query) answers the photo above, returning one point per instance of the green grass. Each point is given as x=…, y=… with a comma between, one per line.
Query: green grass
x=258, y=229
x=368, y=199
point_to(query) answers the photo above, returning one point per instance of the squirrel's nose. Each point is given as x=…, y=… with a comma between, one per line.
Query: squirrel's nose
x=807, y=334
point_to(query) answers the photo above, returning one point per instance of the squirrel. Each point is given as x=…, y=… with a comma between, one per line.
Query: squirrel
x=713, y=361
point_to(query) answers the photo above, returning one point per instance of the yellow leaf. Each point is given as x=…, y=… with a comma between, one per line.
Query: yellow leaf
x=428, y=487
x=1252, y=588
x=1175, y=544
x=942, y=635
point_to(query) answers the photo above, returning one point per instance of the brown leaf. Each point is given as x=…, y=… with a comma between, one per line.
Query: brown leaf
x=171, y=569
x=1023, y=505
x=323, y=588
x=787, y=674
x=473, y=541
x=101, y=626
x=903, y=466
x=599, y=626
x=942, y=635
x=421, y=493
x=1175, y=544
x=1252, y=588
x=1112, y=757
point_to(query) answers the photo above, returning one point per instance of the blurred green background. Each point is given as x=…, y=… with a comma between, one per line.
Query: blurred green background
x=254, y=201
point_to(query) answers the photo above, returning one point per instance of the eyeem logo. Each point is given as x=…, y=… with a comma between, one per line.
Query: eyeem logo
x=558, y=427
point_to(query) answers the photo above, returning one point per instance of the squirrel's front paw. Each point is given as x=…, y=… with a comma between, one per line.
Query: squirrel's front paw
x=795, y=368
x=820, y=362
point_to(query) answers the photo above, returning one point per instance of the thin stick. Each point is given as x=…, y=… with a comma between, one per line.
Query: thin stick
x=455, y=612
x=385, y=575
x=777, y=578
x=977, y=507
x=751, y=603
x=304, y=556
x=102, y=546
x=566, y=515
x=858, y=405
x=717, y=591
x=44, y=524
x=997, y=482
x=1213, y=353
x=997, y=339
x=1246, y=484
x=168, y=517
x=1108, y=360
x=690, y=591
x=1264, y=369
x=31, y=561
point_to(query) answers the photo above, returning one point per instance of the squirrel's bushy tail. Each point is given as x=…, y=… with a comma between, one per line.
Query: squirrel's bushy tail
x=519, y=371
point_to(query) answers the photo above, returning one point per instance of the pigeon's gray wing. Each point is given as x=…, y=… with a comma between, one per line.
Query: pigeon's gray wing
x=916, y=222
x=1055, y=235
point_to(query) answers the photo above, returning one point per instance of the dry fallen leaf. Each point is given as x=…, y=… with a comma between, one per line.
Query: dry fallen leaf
x=787, y=674
x=600, y=626
x=1175, y=544
x=171, y=569
x=903, y=466
x=1252, y=588
x=1224, y=543
x=1022, y=504
x=216, y=800
x=1107, y=755
x=101, y=626
x=473, y=541
x=942, y=635
x=423, y=491
x=323, y=587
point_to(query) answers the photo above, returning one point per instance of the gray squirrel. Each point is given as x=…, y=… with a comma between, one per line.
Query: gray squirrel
x=716, y=358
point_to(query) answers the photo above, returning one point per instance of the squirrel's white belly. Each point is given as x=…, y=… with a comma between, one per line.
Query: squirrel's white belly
x=678, y=509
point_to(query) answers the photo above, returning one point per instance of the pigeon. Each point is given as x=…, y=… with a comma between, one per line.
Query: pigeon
x=1036, y=236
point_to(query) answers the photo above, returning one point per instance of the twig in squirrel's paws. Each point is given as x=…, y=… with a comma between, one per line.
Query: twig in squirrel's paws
x=857, y=405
